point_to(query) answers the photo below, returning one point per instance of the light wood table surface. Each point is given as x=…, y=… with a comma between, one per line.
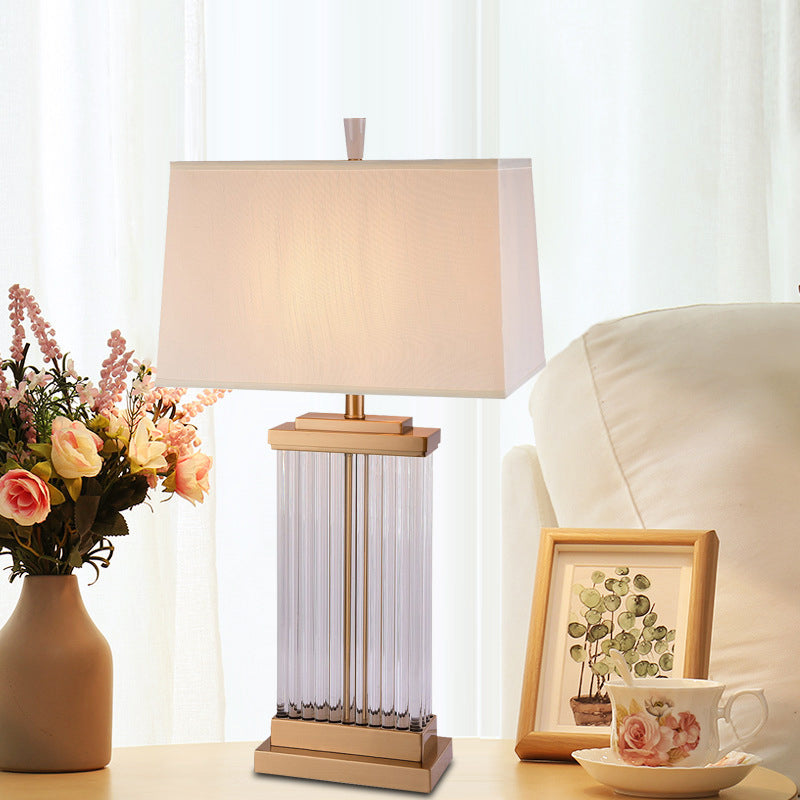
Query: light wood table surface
x=481, y=768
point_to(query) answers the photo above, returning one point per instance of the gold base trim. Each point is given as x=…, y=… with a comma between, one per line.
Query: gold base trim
x=384, y=773
x=334, y=737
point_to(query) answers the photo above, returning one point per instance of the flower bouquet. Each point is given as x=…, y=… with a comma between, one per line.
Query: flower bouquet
x=74, y=456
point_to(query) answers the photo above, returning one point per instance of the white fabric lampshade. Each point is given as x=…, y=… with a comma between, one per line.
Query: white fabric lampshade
x=392, y=277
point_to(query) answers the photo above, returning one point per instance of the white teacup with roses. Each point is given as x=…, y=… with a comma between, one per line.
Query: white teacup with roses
x=673, y=722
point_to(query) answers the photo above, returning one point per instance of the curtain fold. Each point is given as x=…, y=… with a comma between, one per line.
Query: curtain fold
x=94, y=107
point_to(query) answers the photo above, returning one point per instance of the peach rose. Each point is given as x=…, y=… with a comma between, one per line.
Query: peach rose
x=24, y=497
x=191, y=477
x=75, y=449
x=641, y=741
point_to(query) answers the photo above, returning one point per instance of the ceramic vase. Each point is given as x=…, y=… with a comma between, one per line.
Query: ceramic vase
x=55, y=682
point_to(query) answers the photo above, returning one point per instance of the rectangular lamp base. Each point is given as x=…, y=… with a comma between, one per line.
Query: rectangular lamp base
x=386, y=773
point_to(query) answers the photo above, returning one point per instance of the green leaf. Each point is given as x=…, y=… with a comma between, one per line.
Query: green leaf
x=620, y=588
x=75, y=559
x=641, y=582
x=626, y=620
x=597, y=632
x=43, y=450
x=109, y=447
x=625, y=642
x=600, y=667
x=638, y=604
x=56, y=497
x=612, y=602
x=577, y=653
x=127, y=492
x=590, y=597
x=85, y=513
x=111, y=525
x=576, y=630
x=73, y=487
x=42, y=470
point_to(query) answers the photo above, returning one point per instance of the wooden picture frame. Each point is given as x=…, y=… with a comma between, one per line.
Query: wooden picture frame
x=576, y=566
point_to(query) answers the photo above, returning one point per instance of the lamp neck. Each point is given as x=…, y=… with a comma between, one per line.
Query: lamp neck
x=354, y=406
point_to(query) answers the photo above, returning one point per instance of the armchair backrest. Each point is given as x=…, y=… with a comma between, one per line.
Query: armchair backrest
x=690, y=418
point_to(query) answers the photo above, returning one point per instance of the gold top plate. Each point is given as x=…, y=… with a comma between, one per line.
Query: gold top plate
x=415, y=443
x=372, y=423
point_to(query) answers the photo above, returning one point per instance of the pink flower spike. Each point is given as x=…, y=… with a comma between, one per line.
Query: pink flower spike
x=22, y=300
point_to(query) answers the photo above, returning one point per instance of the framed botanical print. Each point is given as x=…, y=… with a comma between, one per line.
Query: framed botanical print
x=648, y=594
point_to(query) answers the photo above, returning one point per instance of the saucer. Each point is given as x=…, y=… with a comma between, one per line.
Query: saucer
x=664, y=782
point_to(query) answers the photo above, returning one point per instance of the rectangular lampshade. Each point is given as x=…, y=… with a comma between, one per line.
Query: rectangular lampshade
x=392, y=277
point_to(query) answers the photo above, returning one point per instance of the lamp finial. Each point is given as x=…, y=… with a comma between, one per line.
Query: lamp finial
x=354, y=137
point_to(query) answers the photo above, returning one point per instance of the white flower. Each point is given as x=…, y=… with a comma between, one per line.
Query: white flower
x=15, y=394
x=36, y=379
x=118, y=427
x=145, y=450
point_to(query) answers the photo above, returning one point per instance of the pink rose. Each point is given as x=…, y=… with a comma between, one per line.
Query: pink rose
x=191, y=477
x=75, y=449
x=641, y=741
x=24, y=497
x=686, y=732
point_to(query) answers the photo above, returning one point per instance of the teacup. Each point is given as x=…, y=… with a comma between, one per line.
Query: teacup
x=669, y=722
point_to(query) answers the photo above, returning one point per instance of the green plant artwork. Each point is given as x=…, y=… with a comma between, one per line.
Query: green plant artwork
x=614, y=613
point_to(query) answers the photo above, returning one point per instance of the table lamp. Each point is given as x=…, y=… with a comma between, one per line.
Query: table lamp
x=390, y=277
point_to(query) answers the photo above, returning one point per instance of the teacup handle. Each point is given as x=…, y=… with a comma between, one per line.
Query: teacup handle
x=725, y=713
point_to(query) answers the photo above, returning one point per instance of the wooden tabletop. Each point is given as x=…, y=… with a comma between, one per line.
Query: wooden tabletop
x=481, y=768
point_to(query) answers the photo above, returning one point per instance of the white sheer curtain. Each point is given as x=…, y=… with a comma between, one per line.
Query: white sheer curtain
x=665, y=146
x=666, y=171
x=280, y=77
x=94, y=106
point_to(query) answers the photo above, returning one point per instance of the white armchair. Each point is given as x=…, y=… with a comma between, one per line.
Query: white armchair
x=682, y=418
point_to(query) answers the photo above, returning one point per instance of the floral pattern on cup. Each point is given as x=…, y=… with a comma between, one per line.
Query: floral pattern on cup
x=656, y=735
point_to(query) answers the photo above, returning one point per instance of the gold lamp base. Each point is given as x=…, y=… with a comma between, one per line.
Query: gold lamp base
x=323, y=751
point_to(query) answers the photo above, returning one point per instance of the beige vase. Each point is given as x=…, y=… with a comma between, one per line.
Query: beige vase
x=55, y=682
